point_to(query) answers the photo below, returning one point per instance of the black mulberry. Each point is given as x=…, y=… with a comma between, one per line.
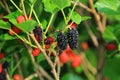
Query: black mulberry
x=72, y=37
x=38, y=33
x=62, y=41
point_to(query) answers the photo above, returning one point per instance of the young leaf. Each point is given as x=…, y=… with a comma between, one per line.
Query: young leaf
x=49, y=6
x=4, y=25
x=61, y=4
x=27, y=26
x=76, y=17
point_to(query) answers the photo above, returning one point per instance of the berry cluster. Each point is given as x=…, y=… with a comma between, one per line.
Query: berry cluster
x=62, y=41
x=71, y=39
x=38, y=33
x=69, y=55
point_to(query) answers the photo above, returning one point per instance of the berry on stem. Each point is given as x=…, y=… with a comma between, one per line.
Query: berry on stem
x=72, y=38
x=2, y=55
x=15, y=29
x=36, y=51
x=49, y=40
x=62, y=41
x=20, y=19
x=63, y=57
x=111, y=46
x=17, y=77
x=76, y=61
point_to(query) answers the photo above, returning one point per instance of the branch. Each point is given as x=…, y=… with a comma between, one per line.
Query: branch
x=82, y=5
x=46, y=57
x=91, y=34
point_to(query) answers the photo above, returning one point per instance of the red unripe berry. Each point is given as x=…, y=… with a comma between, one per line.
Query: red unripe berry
x=1, y=69
x=47, y=46
x=2, y=55
x=84, y=46
x=15, y=29
x=72, y=25
x=63, y=57
x=36, y=52
x=76, y=61
x=17, y=77
x=20, y=19
x=49, y=40
x=111, y=46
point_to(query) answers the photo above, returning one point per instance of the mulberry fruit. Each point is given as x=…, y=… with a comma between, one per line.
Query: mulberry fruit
x=72, y=38
x=38, y=33
x=62, y=41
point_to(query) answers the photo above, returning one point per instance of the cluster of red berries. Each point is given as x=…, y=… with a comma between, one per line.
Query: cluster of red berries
x=68, y=55
x=48, y=41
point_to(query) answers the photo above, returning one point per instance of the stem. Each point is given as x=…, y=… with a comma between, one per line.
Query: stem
x=64, y=16
x=46, y=57
x=24, y=11
x=6, y=5
x=37, y=18
x=72, y=11
x=15, y=5
x=49, y=23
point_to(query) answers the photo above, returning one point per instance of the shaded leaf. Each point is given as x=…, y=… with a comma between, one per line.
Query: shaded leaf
x=4, y=25
x=108, y=34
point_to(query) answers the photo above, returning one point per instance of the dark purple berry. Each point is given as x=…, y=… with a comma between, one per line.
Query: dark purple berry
x=62, y=41
x=38, y=33
x=72, y=37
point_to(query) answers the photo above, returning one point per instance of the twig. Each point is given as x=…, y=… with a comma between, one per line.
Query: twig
x=46, y=57
x=44, y=73
x=92, y=36
x=33, y=60
x=30, y=77
x=82, y=5
x=19, y=67
x=85, y=69
x=89, y=66
x=6, y=6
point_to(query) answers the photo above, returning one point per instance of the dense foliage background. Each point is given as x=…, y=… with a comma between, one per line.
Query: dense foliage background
x=98, y=51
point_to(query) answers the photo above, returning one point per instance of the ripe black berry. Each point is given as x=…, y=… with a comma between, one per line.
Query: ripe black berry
x=38, y=33
x=62, y=41
x=72, y=38
x=5, y=65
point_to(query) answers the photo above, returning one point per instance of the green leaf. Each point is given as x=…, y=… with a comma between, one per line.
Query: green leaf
x=107, y=6
x=61, y=4
x=84, y=18
x=40, y=58
x=108, y=34
x=79, y=69
x=4, y=25
x=76, y=17
x=12, y=16
x=111, y=68
x=49, y=6
x=70, y=76
x=27, y=26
